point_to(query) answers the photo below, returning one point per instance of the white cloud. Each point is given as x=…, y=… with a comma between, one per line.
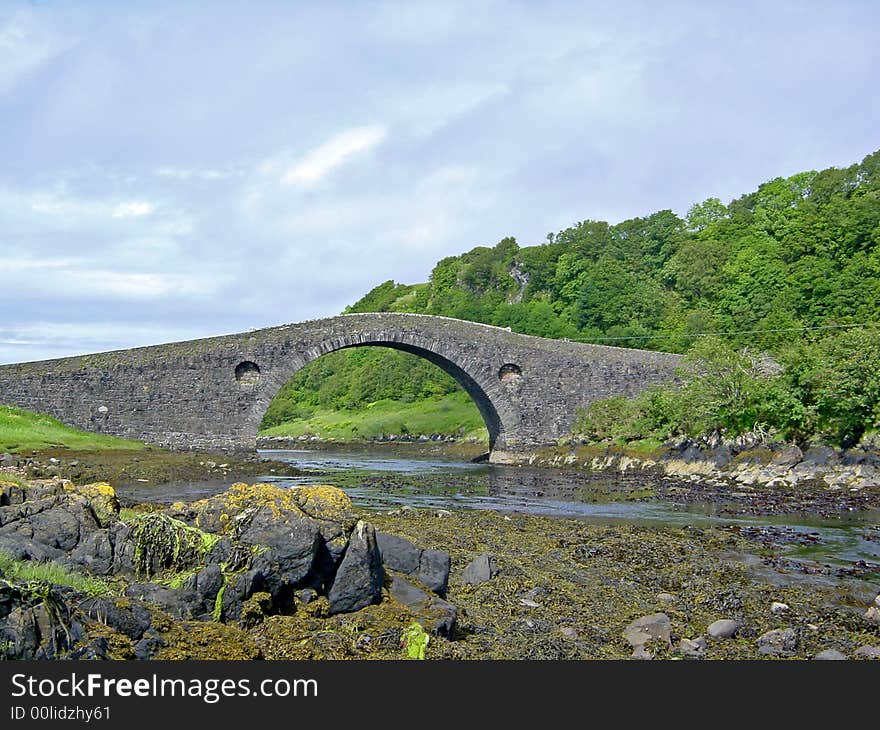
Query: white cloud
x=136, y=285
x=186, y=173
x=25, y=211
x=83, y=278
x=133, y=209
x=322, y=160
x=24, y=48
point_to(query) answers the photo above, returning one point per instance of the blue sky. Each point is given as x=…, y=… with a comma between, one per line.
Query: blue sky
x=183, y=169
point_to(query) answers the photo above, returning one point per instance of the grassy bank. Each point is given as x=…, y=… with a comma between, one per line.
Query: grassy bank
x=22, y=430
x=452, y=414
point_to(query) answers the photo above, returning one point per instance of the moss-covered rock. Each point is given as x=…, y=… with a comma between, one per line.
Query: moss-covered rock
x=102, y=499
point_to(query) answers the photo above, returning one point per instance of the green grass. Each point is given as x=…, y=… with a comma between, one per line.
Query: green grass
x=23, y=571
x=22, y=430
x=12, y=478
x=454, y=414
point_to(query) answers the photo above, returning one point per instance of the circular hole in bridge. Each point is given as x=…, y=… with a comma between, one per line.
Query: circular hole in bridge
x=509, y=373
x=247, y=373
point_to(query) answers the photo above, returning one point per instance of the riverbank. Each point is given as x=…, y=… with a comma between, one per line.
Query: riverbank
x=838, y=474
x=147, y=466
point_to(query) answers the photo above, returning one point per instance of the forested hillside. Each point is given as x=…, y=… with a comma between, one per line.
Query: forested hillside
x=795, y=261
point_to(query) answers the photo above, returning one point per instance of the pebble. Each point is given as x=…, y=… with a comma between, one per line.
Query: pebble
x=645, y=629
x=665, y=597
x=777, y=641
x=530, y=603
x=640, y=652
x=722, y=628
x=873, y=614
x=779, y=607
x=830, y=655
x=868, y=652
x=692, y=648
x=569, y=633
x=443, y=513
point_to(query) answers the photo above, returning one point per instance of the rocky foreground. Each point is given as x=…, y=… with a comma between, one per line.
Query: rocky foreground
x=261, y=572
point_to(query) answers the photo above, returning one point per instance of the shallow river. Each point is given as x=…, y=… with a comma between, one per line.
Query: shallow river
x=382, y=481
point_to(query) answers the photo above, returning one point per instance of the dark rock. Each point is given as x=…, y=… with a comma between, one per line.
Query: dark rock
x=123, y=549
x=22, y=548
x=856, y=457
x=148, y=647
x=787, y=457
x=98, y=649
x=177, y=603
x=36, y=625
x=132, y=622
x=222, y=552
x=94, y=553
x=398, y=553
x=209, y=581
x=292, y=544
x=821, y=456
x=434, y=568
x=436, y=615
x=430, y=567
x=721, y=457
x=56, y=528
x=481, y=569
x=307, y=595
x=239, y=588
x=358, y=582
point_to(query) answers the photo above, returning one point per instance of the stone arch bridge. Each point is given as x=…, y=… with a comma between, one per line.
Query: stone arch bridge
x=212, y=393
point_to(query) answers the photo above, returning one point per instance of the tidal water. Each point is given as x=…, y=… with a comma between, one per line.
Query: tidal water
x=382, y=481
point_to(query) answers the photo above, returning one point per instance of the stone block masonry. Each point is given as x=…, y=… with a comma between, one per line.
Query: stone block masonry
x=212, y=393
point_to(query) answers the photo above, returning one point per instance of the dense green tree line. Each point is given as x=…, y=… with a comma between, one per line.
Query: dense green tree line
x=826, y=390
x=799, y=252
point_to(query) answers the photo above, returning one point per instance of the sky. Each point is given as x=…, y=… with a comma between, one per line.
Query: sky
x=173, y=170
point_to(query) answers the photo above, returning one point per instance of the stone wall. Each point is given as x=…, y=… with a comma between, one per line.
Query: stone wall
x=212, y=393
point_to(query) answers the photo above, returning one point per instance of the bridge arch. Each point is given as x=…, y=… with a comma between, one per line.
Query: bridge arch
x=484, y=387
